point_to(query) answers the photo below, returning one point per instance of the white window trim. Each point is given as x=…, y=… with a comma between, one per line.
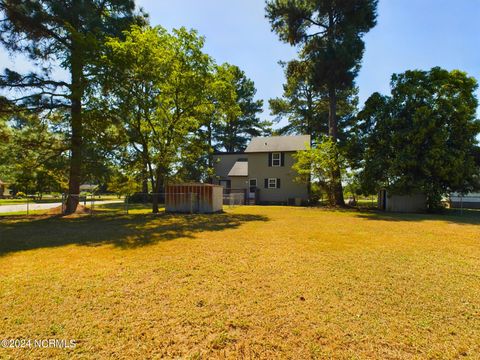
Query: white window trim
x=275, y=181
x=279, y=159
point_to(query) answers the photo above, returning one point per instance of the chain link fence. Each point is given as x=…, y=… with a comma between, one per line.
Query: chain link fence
x=87, y=204
x=57, y=204
x=98, y=204
x=233, y=199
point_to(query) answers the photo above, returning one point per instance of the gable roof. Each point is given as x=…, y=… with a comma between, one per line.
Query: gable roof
x=278, y=143
x=240, y=168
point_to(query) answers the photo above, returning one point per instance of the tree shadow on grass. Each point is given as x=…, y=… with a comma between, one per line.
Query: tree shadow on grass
x=124, y=231
x=466, y=217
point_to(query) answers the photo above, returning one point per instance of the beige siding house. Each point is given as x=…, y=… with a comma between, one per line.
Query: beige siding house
x=263, y=172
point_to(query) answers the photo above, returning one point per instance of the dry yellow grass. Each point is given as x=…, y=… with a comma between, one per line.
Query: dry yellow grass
x=255, y=282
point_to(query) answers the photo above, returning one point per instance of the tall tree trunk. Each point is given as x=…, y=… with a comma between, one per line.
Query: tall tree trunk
x=144, y=178
x=77, y=132
x=332, y=113
x=156, y=194
x=333, y=133
x=210, y=155
x=144, y=184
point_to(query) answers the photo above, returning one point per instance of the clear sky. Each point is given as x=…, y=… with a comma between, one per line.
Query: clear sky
x=410, y=34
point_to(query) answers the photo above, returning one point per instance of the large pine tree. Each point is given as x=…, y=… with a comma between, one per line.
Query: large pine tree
x=66, y=34
x=306, y=109
x=330, y=34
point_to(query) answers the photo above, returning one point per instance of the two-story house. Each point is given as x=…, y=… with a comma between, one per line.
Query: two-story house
x=264, y=170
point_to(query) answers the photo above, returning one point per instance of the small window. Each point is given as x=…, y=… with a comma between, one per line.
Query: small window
x=276, y=159
x=253, y=185
x=272, y=183
x=225, y=184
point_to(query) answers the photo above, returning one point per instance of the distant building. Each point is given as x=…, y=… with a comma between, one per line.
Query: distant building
x=263, y=172
x=416, y=202
x=88, y=188
x=3, y=189
x=467, y=201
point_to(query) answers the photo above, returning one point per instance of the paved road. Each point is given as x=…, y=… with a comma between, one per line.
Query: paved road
x=33, y=207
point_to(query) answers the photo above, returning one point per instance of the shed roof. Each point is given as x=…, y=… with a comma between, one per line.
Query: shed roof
x=240, y=168
x=278, y=143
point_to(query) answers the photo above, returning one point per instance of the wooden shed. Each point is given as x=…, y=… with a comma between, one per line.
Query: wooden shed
x=194, y=198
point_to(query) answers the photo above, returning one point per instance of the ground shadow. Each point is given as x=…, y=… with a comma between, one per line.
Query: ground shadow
x=467, y=217
x=124, y=231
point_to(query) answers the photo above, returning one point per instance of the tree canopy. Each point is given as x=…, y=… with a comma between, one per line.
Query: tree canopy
x=422, y=137
x=306, y=109
x=330, y=34
x=235, y=132
x=66, y=34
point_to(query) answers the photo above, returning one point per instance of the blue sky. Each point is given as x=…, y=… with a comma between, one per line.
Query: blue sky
x=410, y=34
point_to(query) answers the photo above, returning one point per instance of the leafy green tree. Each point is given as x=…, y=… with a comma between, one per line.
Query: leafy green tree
x=122, y=183
x=422, y=138
x=67, y=34
x=5, y=145
x=320, y=164
x=222, y=105
x=155, y=86
x=237, y=129
x=35, y=155
x=330, y=35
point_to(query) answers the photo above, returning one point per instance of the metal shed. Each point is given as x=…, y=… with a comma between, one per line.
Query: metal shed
x=194, y=198
x=409, y=203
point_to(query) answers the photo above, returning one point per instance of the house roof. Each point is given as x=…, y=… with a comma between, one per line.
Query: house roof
x=227, y=152
x=240, y=168
x=278, y=143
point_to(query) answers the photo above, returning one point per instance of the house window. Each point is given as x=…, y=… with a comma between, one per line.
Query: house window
x=272, y=183
x=276, y=159
x=252, y=185
x=225, y=184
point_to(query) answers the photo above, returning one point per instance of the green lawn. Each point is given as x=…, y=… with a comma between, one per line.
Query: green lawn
x=253, y=282
x=31, y=201
x=49, y=199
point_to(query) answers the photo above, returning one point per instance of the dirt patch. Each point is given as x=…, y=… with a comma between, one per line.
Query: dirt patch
x=81, y=210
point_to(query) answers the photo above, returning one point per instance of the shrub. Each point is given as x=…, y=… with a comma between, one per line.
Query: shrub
x=20, y=195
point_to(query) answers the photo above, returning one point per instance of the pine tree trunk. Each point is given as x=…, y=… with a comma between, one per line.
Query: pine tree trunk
x=159, y=187
x=77, y=133
x=333, y=133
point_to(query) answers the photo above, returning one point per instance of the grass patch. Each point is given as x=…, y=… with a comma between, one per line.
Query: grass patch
x=30, y=201
x=122, y=208
x=253, y=282
x=24, y=213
